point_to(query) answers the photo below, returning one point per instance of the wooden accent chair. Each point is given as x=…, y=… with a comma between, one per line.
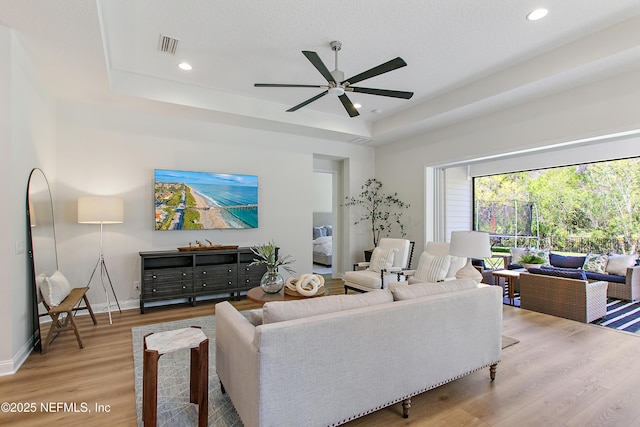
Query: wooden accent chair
x=67, y=308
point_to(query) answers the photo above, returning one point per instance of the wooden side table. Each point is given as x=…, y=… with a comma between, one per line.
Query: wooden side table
x=159, y=343
x=510, y=277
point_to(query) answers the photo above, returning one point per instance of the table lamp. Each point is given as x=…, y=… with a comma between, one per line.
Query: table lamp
x=470, y=244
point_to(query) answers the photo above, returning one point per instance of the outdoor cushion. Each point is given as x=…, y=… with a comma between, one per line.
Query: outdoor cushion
x=516, y=254
x=567, y=273
x=618, y=264
x=563, y=261
x=595, y=263
x=606, y=277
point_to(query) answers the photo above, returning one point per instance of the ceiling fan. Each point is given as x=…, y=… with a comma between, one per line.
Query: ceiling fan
x=338, y=85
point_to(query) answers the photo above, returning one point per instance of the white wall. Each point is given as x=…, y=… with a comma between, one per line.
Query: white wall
x=27, y=132
x=601, y=108
x=108, y=151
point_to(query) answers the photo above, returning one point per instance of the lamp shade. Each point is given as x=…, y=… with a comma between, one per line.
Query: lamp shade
x=470, y=244
x=100, y=210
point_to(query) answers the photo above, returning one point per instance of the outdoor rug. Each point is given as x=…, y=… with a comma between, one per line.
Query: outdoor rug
x=174, y=408
x=622, y=315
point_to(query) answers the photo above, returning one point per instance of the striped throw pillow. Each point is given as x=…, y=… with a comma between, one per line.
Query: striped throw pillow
x=432, y=268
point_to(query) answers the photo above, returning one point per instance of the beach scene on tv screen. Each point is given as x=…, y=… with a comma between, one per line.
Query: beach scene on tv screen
x=203, y=200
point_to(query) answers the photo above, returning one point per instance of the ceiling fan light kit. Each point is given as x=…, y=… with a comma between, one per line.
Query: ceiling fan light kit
x=337, y=85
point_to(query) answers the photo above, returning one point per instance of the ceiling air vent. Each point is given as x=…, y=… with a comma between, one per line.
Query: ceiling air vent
x=168, y=44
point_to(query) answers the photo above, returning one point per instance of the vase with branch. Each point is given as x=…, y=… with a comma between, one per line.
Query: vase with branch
x=267, y=254
x=380, y=211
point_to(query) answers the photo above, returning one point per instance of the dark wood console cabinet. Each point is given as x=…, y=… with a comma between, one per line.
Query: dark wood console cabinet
x=173, y=275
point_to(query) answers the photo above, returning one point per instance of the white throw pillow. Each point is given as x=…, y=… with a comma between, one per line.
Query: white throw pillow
x=39, y=283
x=55, y=289
x=404, y=292
x=382, y=259
x=432, y=268
x=279, y=311
x=618, y=264
x=516, y=254
x=457, y=262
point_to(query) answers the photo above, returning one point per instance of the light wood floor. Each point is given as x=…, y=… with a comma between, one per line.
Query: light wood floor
x=562, y=373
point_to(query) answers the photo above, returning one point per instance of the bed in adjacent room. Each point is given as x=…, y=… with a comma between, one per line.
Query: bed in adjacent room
x=322, y=245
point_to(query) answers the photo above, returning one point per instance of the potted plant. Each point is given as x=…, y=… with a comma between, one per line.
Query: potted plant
x=381, y=212
x=267, y=255
x=531, y=261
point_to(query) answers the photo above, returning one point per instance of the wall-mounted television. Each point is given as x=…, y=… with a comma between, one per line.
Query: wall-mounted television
x=203, y=201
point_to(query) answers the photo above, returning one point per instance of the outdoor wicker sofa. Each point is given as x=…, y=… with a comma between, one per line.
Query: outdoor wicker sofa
x=573, y=299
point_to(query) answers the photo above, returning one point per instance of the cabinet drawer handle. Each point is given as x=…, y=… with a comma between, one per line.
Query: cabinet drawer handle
x=154, y=290
x=154, y=277
x=184, y=287
x=229, y=270
x=204, y=285
x=184, y=274
x=247, y=269
x=247, y=280
x=230, y=283
x=204, y=273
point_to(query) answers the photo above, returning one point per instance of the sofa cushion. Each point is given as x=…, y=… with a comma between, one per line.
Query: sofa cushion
x=595, y=263
x=565, y=261
x=567, y=273
x=403, y=291
x=432, y=268
x=382, y=259
x=279, y=311
x=255, y=317
x=606, y=277
x=618, y=264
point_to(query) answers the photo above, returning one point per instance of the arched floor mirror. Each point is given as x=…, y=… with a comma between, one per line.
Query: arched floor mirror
x=41, y=240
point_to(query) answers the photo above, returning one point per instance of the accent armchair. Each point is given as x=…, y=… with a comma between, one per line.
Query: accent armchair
x=391, y=257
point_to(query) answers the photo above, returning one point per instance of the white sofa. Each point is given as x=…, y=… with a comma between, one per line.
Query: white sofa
x=328, y=369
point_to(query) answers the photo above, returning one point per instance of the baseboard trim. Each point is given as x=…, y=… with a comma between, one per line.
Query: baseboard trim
x=10, y=367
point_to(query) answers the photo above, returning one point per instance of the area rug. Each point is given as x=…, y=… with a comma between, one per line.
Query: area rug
x=174, y=408
x=621, y=315
x=508, y=342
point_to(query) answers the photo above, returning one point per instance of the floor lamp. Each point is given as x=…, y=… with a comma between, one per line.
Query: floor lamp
x=101, y=210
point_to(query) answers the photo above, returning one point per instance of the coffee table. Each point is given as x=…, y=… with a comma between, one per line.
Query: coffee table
x=510, y=277
x=258, y=295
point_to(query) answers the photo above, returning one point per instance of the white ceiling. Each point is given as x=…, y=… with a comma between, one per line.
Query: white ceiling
x=465, y=57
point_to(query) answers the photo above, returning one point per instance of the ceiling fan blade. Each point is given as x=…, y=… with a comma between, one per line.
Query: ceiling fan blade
x=317, y=62
x=376, y=71
x=382, y=92
x=348, y=105
x=284, y=85
x=308, y=101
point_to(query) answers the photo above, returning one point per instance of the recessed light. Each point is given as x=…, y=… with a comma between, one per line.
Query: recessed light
x=537, y=14
x=356, y=105
x=185, y=66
